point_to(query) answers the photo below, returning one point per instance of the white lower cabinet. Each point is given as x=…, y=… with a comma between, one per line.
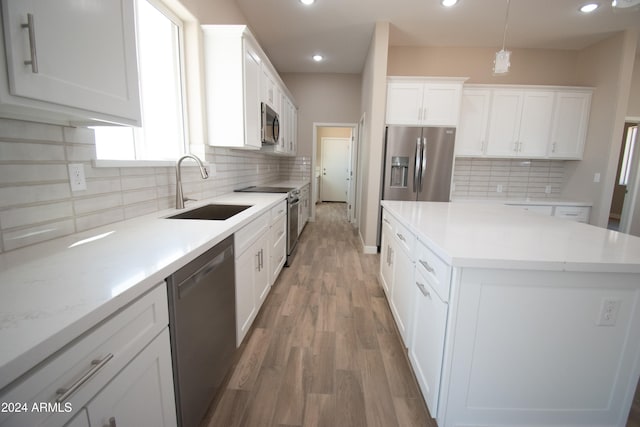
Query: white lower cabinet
x=427, y=342
x=141, y=394
x=396, y=272
x=252, y=272
x=124, y=361
x=261, y=252
x=278, y=249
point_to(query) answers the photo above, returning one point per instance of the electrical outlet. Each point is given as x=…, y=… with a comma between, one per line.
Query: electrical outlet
x=547, y=189
x=76, y=177
x=596, y=177
x=499, y=188
x=609, y=312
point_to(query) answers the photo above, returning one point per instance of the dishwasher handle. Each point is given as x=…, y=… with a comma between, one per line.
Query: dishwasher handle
x=188, y=284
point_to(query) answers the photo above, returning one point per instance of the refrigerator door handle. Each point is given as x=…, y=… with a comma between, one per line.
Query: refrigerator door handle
x=423, y=162
x=416, y=171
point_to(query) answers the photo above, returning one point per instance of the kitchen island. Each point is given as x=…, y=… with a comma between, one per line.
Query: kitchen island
x=513, y=318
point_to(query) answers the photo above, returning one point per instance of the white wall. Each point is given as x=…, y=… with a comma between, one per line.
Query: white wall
x=374, y=92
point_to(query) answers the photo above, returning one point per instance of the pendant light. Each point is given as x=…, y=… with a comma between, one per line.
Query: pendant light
x=501, y=63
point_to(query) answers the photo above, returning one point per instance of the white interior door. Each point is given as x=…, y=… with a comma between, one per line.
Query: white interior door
x=335, y=169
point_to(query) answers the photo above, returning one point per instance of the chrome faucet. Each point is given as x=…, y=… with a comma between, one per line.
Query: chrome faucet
x=180, y=199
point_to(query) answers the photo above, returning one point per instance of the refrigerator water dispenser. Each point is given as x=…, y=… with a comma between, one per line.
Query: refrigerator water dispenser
x=399, y=171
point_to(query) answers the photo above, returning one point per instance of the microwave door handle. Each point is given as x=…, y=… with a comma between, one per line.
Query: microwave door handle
x=276, y=129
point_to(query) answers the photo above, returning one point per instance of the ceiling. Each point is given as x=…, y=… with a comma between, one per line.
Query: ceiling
x=341, y=30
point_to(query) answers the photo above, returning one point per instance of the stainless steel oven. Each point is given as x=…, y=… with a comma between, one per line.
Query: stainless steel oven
x=293, y=202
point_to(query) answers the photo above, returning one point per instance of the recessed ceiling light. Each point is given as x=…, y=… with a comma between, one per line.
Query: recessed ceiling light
x=318, y=58
x=449, y=3
x=307, y=2
x=589, y=7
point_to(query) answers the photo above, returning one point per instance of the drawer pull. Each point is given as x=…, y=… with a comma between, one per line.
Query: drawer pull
x=401, y=237
x=96, y=365
x=424, y=290
x=387, y=221
x=570, y=214
x=427, y=267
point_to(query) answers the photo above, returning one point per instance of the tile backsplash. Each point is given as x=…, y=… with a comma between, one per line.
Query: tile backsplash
x=518, y=179
x=37, y=204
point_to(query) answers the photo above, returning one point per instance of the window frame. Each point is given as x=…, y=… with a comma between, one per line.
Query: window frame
x=179, y=20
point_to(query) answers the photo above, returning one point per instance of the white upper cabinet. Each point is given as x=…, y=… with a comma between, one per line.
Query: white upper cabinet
x=69, y=61
x=520, y=123
x=233, y=70
x=570, y=121
x=238, y=78
x=471, y=138
x=423, y=102
x=523, y=121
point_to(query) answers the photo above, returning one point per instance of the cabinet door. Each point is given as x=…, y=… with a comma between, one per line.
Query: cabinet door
x=404, y=103
x=570, y=121
x=506, y=109
x=402, y=294
x=246, y=307
x=80, y=420
x=142, y=393
x=262, y=282
x=427, y=343
x=441, y=104
x=85, y=54
x=252, y=116
x=386, y=259
x=471, y=136
x=535, y=124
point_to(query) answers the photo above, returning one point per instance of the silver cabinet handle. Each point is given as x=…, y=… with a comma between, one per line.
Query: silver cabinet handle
x=515, y=146
x=258, y=261
x=32, y=43
x=553, y=147
x=426, y=266
x=387, y=221
x=112, y=422
x=424, y=290
x=401, y=237
x=96, y=365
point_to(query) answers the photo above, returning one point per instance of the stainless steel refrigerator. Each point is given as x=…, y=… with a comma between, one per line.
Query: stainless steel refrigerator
x=418, y=163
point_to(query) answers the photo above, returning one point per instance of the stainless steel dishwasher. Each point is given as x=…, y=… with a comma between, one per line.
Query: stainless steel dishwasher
x=202, y=322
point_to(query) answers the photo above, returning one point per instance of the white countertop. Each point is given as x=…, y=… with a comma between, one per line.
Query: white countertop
x=528, y=201
x=53, y=292
x=496, y=236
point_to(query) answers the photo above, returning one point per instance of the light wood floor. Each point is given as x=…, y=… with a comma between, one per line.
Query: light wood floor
x=323, y=350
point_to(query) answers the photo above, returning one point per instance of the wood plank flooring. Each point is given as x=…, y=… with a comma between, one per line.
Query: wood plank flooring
x=323, y=350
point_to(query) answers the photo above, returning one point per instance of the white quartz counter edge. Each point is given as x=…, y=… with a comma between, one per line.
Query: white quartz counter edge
x=504, y=237
x=526, y=202
x=54, y=292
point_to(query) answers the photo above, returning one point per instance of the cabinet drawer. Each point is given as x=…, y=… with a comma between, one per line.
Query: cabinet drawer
x=435, y=270
x=87, y=365
x=279, y=210
x=573, y=213
x=245, y=237
x=405, y=238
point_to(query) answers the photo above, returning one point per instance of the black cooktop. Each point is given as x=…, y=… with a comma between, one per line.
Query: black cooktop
x=255, y=189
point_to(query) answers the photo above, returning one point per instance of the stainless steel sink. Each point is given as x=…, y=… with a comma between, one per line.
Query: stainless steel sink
x=212, y=212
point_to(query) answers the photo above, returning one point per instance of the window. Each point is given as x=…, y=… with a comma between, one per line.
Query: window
x=631, y=134
x=162, y=135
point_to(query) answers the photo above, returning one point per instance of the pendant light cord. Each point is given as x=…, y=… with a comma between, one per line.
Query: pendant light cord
x=506, y=20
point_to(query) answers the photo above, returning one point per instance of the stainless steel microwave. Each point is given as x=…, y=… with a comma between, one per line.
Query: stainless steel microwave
x=270, y=130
